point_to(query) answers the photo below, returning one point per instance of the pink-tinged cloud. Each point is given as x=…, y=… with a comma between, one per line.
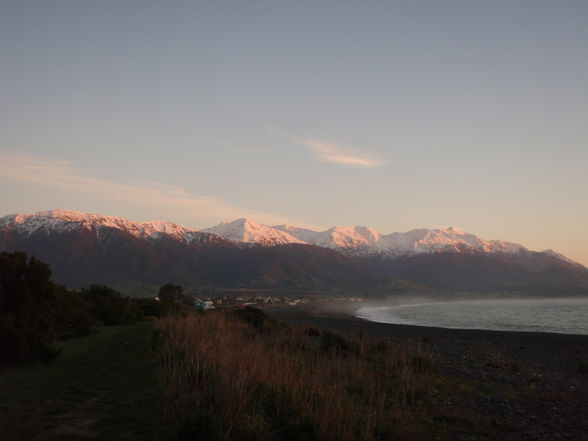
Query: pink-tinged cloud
x=340, y=154
x=324, y=151
x=63, y=176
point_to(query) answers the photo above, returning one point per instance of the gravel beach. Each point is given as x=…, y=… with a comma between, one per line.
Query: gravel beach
x=532, y=386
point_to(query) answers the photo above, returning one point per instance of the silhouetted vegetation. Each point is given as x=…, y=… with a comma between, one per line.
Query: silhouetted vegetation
x=26, y=295
x=35, y=312
x=256, y=318
x=72, y=316
x=109, y=307
x=171, y=292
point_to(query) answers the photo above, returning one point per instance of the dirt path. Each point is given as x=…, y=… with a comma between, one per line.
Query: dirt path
x=102, y=387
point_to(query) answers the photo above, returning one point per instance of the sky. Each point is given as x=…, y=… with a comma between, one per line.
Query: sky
x=391, y=114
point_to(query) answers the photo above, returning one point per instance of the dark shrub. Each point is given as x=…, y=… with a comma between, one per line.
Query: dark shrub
x=255, y=317
x=26, y=296
x=109, y=307
x=312, y=332
x=331, y=342
x=71, y=316
x=150, y=307
x=34, y=311
x=171, y=293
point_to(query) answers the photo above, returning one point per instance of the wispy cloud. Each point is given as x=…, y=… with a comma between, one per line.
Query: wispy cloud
x=179, y=203
x=325, y=151
x=341, y=154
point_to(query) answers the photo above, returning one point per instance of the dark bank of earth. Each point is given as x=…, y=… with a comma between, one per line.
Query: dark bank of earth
x=102, y=387
x=503, y=386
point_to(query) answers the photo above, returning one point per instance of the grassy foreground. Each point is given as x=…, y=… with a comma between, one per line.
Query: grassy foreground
x=242, y=376
x=103, y=386
x=223, y=376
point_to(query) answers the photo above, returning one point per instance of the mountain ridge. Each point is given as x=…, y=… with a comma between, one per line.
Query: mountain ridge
x=365, y=240
x=84, y=249
x=349, y=240
x=68, y=220
x=249, y=231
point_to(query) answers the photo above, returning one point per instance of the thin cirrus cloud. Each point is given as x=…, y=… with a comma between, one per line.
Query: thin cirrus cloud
x=334, y=153
x=62, y=176
x=340, y=154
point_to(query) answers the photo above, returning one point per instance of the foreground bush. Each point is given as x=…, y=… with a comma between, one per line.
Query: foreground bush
x=35, y=312
x=109, y=307
x=26, y=294
x=244, y=377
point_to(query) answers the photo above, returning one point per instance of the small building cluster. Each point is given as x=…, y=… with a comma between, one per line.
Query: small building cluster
x=240, y=298
x=202, y=305
x=242, y=301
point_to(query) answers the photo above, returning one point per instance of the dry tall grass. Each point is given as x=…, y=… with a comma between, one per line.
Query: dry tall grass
x=233, y=379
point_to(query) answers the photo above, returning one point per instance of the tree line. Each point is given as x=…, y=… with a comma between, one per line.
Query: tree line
x=35, y=312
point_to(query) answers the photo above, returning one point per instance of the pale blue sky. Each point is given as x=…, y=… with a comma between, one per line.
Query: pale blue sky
x=395, y=115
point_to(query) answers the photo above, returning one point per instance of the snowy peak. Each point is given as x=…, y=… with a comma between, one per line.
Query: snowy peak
x=348, y=238
x=444, y=240
x=366, y=240
x=360, y=239
x=65, y=221
x=249, y=231
x=335, y=237
x=354, y=237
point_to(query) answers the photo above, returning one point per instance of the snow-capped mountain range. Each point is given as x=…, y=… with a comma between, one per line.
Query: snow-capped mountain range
x=88, y=248
x=364, y=240
x=66, y=221
x=350, y=240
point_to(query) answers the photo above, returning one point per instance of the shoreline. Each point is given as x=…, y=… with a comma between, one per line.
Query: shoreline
x=542, y=371
x=344, y=312
x=368, y=315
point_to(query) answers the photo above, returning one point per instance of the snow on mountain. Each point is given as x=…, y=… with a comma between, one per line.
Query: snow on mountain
x=335, y=237
x=364, y=239
x=351, y=237
x=443, y=240
x=303, y=234
x=249, y=231
x=367, y=240
x=349, y=240
x=65, y=221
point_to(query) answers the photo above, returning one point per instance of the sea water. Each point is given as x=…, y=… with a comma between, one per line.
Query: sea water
x=556, y=316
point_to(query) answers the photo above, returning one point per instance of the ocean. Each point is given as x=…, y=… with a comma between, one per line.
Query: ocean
x=562, y=316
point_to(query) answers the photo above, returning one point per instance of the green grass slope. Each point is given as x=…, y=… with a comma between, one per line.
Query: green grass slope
x=102, y=387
